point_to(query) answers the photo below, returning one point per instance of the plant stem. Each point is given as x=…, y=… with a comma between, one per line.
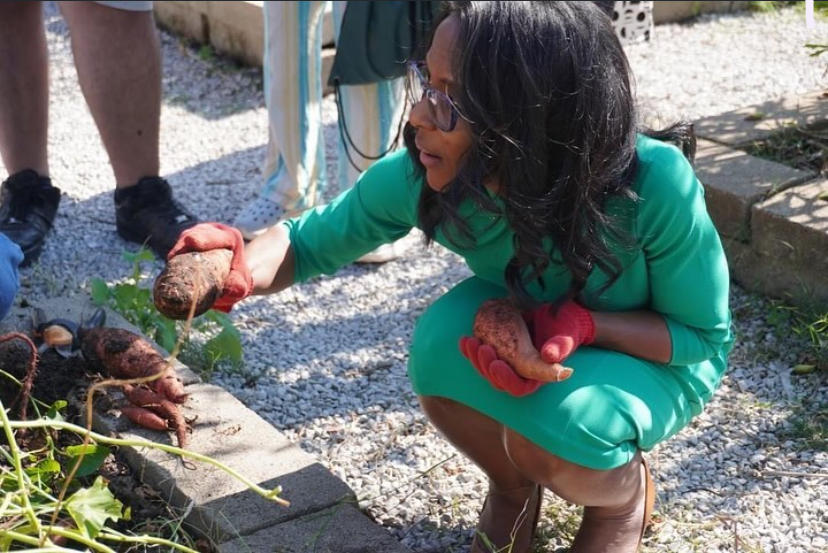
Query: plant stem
x=147, y=540
x=18, y=469
x=91, y=544
x=272, y=495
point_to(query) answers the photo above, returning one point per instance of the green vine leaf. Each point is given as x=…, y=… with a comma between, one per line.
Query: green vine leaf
x=225, y=344
x=100, y=291
x=93, y=457
x=91, y=507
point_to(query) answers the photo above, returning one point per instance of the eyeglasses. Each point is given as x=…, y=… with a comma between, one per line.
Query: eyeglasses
x=442, y=110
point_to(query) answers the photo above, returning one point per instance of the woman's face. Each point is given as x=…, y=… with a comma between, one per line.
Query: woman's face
x=440, y=152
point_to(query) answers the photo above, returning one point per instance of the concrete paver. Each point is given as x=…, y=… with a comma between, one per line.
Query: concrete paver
x=743, y=126
x=222, y=506
x=320, y=533
x=790, y=240
x=734, y=181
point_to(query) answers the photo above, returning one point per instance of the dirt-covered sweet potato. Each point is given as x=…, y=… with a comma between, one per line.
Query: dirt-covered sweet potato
x=195, y=277
x=153, y=411
x=122, y=354
x=500, y=324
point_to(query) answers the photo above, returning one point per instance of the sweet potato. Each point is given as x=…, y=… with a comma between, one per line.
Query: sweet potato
x=149, y=408
x=499, y=324
x=144, y=417
x=196, y=277
x=122, y=354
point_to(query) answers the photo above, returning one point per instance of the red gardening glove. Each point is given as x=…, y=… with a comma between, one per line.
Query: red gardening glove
x=499, y=373
x=213, y=236
x=558, y=329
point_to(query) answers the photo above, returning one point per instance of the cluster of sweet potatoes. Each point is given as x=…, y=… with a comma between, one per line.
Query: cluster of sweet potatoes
x=124, y=355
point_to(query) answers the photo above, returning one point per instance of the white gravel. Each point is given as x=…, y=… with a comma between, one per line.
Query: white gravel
x=325, y=361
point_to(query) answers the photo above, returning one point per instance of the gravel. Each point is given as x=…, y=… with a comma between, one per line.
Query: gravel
x=325, y=361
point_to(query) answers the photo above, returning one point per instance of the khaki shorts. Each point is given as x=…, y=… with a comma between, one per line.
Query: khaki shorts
x=129, y=6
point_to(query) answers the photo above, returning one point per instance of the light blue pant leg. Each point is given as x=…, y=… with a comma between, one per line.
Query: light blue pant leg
x=295, y=165
x=372, y=114
x=295, y=162
x=10, y=258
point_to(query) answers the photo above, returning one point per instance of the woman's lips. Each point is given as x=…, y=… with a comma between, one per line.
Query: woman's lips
x=428, y=160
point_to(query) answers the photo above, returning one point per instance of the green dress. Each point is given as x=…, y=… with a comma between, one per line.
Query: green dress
x=613, y=404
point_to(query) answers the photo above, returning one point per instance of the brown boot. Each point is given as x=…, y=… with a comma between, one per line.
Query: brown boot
x=508, y=521
x=617, y=529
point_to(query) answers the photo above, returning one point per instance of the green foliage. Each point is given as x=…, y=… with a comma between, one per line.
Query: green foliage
x=820, y=6
x=227, y=343
x=817, y=49
x=763, y=7
x=134, y=302
x=206, y=52
x=809, y=428
x=811, y=325
x=91, y=457
x=799, y=147
x=91, y=507
x=816, y=329
x=31, y=483
x=772, y=6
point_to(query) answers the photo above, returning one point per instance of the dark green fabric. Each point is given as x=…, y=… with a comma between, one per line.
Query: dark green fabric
x=377, y=38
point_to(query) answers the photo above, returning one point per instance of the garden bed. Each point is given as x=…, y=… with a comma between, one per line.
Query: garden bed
x=48, y=455
x=800, y=147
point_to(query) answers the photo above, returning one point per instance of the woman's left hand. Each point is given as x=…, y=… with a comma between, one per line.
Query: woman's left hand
x=559, y=329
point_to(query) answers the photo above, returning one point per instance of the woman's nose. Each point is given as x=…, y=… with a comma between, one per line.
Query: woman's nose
x=419, y=116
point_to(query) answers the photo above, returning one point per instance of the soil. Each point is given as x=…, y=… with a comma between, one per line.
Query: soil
x=57, y=378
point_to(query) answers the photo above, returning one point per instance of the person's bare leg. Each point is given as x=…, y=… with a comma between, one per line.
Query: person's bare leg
x=480, y=438
x=24, y=87
x=614, y=499
x=118, y=59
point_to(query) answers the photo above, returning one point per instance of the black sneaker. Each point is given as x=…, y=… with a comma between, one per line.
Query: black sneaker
x=28, y=205
x=147, y=214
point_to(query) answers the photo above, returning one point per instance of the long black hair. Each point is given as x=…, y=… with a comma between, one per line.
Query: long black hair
x=547, y=90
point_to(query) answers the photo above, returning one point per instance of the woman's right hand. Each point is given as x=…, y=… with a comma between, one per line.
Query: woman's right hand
x=498, y=372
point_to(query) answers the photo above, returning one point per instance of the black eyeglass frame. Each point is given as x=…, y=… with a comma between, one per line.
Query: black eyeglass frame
x=432, y=95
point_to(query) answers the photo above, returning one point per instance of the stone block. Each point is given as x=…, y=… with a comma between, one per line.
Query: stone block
x=237, y=30
x=666, y=12
x=790, y=235
x=340, y=529
x=734, y=181
x=766, y=276
x=188, y=19
x=221, y=506
x=741, y=127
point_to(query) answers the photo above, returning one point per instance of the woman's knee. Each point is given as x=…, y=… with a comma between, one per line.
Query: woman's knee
x=434, y=406
x=531, y=460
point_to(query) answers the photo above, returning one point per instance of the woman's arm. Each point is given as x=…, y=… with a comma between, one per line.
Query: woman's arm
x=688, y=271
x=271, y=261
x=642, y=334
